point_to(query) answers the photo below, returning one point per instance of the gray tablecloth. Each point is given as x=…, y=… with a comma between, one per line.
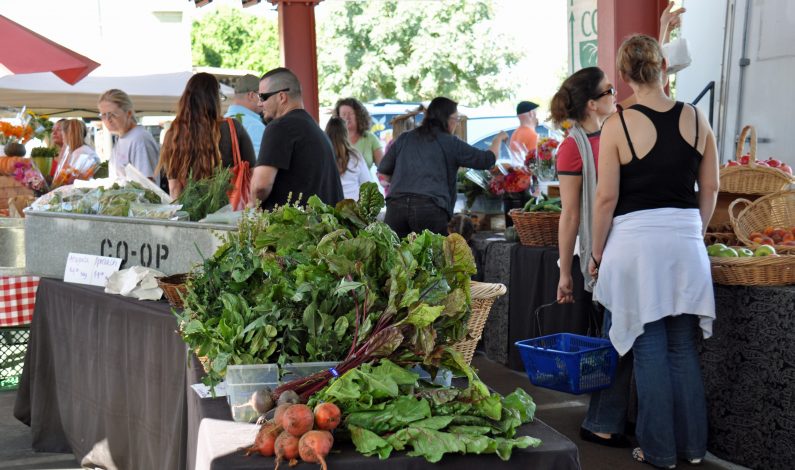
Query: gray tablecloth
x=105, y=379
x=749, y=376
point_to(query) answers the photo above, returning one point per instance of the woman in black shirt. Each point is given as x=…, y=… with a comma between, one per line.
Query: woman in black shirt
x=422, y=165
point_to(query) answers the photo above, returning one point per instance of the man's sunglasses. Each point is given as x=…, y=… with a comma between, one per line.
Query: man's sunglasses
x=609, y=91
x=264, y=96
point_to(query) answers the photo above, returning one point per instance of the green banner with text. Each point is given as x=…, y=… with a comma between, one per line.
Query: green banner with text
x=582, y=34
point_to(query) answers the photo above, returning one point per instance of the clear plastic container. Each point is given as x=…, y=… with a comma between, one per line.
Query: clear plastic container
x=304, y=369
x=252, y=374
x=239, y=395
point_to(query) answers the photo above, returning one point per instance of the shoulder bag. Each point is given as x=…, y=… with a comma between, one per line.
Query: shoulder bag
x=241, y=173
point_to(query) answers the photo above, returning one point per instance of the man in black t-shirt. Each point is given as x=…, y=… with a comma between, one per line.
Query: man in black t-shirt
x=295, y=155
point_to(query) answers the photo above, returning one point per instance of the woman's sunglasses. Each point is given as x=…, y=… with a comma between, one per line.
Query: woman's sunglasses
x=609, y=91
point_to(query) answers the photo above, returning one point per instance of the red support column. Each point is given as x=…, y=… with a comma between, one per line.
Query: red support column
x=619, y=19
x=299, y=46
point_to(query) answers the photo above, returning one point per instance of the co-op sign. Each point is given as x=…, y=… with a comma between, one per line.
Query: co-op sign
x=582, y=34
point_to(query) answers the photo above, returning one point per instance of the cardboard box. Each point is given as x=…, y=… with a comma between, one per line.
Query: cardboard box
x=720, y=221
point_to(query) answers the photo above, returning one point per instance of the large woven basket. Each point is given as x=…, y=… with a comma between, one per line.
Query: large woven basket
x=536, y=228
x=173, y=288
x=775, y=210
x=483, y=296
x=751, y=178
x=754, y=270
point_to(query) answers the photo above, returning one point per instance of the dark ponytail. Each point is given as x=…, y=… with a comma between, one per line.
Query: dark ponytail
x=572, y=98
x=436, y=117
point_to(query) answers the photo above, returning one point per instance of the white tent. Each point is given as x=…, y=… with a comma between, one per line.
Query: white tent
x=44, y=93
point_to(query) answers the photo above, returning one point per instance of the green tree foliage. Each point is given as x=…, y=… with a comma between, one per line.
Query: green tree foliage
x=229, y=38
x=414, y=51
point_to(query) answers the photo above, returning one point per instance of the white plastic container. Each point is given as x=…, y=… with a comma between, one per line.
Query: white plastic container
x=304, y=369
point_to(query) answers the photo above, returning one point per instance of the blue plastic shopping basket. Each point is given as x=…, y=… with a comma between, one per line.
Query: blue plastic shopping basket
x=569, y=363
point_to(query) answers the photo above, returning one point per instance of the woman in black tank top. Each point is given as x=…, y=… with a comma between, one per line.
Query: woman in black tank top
x=651, y=157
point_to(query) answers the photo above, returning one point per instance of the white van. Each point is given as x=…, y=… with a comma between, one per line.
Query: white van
x=482, y=126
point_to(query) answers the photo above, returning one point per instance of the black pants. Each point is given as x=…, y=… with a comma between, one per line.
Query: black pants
x=415, y=213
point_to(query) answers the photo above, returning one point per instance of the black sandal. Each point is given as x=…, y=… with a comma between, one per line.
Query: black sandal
x=615, y=440
x=637, y=455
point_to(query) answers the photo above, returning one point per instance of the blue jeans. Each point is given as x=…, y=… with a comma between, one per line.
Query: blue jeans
x=415, y=213
x=607, y=412
x=672, y=408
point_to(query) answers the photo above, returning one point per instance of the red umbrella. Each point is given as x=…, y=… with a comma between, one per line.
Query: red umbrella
x=25, y=51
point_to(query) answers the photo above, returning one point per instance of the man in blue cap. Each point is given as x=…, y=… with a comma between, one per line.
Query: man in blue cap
x=525, y=138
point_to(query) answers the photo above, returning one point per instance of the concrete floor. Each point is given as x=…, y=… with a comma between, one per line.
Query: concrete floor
x=562, y=411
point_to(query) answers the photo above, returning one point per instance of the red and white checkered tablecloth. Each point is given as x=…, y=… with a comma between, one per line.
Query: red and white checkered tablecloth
x=17, y=299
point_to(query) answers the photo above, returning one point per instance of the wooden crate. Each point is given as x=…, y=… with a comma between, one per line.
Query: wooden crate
x=720, y=217
x=9, y=187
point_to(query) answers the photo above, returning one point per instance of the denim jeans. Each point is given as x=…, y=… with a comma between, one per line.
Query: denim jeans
x=415, y=213
x=672, y=408
x=607, y=412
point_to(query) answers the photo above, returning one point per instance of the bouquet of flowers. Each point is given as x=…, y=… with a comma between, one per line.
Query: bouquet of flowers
x=14, y=133
x=74, y=166
x=28, y=174
x=509, y=179
x=541, y=160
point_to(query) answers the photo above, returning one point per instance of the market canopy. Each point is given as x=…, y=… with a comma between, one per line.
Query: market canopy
x=26, y=51
x=43, y=93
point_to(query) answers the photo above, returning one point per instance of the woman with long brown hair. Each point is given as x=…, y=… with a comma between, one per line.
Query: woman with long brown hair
x=199, y=140
x=350, y=163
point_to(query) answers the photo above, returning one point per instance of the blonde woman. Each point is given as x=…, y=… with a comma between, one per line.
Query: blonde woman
x=648, y=252
x=74, y=137
x=135, y=146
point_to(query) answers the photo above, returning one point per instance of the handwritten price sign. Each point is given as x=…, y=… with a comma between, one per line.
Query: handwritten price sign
x=91, y=270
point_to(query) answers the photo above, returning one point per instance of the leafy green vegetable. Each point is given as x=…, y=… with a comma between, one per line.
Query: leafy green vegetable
x=543, y=203
x=385, y=409
x=202, y=197
x=334, y=284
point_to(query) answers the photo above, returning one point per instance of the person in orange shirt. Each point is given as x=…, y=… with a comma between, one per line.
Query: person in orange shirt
x=524, y=138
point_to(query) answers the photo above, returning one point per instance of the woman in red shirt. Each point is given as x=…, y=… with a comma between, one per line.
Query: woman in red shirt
x=586, y=99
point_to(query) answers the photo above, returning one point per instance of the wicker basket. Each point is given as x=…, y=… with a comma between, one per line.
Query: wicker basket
x=174, y=288
x=751, y=178
x=483, y=296
x=754, y=270
x=536, y=228
x=774, y=210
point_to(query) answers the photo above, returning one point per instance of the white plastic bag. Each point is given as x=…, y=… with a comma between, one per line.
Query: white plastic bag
x=677, y=55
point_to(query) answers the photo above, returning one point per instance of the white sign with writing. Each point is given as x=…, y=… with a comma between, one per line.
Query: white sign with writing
x=91, y=270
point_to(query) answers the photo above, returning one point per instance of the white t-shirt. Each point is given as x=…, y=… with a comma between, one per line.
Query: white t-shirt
x=357, y=174
x=137, y=148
